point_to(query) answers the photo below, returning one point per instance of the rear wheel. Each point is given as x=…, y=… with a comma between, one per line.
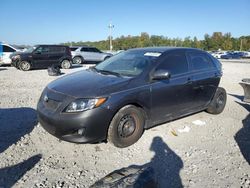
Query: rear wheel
x=66, y=64
x=218, y=103
x=77, y=60
x=126, y=126
x=25, y=65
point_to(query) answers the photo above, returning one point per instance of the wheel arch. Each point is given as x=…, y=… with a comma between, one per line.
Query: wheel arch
x=143, y=109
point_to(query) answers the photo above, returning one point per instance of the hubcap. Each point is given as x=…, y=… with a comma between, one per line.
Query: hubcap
x=220, y=101
x=66, y=64
x=77, y=60
x=25, y=65
x=126, y=126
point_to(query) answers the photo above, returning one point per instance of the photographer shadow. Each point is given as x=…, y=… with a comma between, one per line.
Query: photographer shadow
x=162, y=171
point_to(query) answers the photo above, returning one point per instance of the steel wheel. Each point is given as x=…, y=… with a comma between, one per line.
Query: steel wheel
x=65, y=64
x=25, y=66
x=126, y=126
x=218, y=103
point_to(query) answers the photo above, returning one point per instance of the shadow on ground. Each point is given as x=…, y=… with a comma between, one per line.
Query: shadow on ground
x=240, y=97
x=165, y=165
x=15, y=123
x=242, y=137
x=2, y=69
x=10, y=175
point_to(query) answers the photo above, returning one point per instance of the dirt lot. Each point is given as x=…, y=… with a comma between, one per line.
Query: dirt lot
x=216, y=154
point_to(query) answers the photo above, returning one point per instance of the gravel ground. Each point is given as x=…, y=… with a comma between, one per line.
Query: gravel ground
x=216, y=154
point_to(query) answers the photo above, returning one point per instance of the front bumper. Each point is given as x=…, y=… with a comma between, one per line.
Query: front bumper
x=15, y=62
x=82, y=127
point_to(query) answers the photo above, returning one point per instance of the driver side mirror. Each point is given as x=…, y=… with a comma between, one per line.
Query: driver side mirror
x=161, y=75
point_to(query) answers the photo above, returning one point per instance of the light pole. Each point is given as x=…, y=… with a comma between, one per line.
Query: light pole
x=110, y=36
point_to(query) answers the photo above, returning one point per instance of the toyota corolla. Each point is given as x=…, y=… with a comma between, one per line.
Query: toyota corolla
x=137, y=89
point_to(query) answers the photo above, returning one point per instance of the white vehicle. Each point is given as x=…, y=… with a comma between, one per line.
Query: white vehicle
x=219, y=54
x=81, y=54
x=7, y=51
x=246, y=54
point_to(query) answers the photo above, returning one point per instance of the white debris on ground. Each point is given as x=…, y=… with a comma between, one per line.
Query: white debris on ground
x=186, y=129
x=199, y=122
x=30, y=157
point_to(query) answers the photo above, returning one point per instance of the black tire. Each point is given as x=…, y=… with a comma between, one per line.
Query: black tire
x=25, y=65
x=77, y=60
x=65, y=64
x=126, y=126
x=218, y=102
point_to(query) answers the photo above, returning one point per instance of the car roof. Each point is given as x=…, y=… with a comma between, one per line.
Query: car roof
x=161, y=49
x=82, y=47
x=55, y=45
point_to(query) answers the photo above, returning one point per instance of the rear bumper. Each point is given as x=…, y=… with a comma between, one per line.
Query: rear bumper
x=84, y=127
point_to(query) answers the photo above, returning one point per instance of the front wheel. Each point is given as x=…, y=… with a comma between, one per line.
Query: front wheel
x=25, y=65
x=126, y=126
x=66, y=64
x=218, y=103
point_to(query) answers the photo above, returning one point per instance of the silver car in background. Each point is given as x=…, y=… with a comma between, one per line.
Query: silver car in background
x=83, y=54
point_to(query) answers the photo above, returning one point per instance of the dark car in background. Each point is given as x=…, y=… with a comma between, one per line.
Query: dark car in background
x=232, y=55
x=130, y=92
x=42, y=56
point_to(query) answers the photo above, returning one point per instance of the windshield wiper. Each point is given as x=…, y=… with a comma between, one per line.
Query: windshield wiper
x=108, y=72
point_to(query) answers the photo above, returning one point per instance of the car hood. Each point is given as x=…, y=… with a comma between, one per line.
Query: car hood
x=21, y=54
x=87, y=84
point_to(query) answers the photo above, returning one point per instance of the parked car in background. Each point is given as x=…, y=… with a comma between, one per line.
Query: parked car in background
x=219, y=54
x=83, y=54
x=42, y=56
x=130, y=92
x=232, y=55
x=246, y=54
x=7, y=51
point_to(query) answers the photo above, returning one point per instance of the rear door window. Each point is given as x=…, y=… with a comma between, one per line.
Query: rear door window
x=175, y=63
x=57, y=49
x=200, y=61
x=84, y=50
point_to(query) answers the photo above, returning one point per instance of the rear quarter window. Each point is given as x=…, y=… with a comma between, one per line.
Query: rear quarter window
x=200, y=61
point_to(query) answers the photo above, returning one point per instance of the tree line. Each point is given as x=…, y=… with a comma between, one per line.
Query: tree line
x=216, y=41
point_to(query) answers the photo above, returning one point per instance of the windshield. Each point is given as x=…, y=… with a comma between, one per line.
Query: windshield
x=129, y=63
x=29, y=50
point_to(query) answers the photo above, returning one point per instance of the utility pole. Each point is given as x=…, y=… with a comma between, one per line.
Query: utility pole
x=110, y=36
x=240, y=44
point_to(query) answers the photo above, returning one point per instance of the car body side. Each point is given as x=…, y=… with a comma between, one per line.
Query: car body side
x=42, y=60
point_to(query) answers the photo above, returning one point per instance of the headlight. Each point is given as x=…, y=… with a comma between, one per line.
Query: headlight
x=80, y=105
